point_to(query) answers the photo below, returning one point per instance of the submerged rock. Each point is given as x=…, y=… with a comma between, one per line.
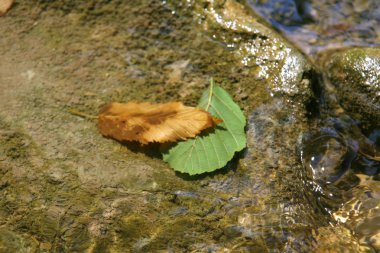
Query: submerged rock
x=71, y=190
x=355, y=73
x=278, y=216
x=318, y=25
x=324, y=156
x=12, y=242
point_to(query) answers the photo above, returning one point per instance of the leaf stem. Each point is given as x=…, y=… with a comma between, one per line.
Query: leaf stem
x=210, y=93
x=81, y=114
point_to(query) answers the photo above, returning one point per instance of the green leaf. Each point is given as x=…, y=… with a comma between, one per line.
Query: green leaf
x=211, y=151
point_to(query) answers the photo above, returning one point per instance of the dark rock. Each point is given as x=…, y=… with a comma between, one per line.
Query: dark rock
x=356, y=75
x=318, y=25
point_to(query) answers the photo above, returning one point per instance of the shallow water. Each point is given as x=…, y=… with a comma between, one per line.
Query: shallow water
x=65, y=188
x=341, y=157
x=315, y=26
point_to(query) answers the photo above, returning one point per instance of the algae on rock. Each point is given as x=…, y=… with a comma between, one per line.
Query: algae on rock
x=67, y=189
x=355, y=73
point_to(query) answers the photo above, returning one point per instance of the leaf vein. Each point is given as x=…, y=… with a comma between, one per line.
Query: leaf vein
x=229, y=131
x=205, y=152
x=228, y=106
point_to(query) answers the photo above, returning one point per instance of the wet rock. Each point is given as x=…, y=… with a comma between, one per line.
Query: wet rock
x=362, y=212
x=94, y=194
x=12, y=242
x=278, y=191
x=233, y=231
x=265, y=55
x=375, y=241
x=356, y=75
x=317, y=25
x=177, y=70
x=328, y=236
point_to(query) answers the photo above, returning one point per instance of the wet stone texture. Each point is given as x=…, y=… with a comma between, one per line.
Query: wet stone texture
x=65, y=188
x=355, y=73
x=318, y=25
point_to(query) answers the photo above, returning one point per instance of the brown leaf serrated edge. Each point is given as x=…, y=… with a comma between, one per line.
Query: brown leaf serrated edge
x=5, y=5
x=147, y=122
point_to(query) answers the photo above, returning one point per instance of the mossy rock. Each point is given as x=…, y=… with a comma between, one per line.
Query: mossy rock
x=11, y=242
x=355, y=72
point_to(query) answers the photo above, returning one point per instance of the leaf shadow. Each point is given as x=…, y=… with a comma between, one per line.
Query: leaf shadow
x=164, y=147
x=151, y=150
x=219, y=127
x=211, y=130
x=155, y=150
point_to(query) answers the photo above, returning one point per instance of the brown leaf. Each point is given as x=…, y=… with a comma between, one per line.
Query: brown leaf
x=4, y=6
x=146, y=122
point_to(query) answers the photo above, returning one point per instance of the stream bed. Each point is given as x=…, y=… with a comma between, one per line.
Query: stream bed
x=308, y=180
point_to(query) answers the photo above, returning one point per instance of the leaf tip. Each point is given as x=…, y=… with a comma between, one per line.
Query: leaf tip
x=216, y=121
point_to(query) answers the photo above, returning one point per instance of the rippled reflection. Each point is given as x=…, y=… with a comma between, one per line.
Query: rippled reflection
x=343, y=168
x=315, y=25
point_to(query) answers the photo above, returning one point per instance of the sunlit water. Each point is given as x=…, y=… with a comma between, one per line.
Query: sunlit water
x=342, y=160
x=318, y=25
